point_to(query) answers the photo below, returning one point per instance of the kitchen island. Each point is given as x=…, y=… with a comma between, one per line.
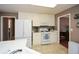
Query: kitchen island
x=18, y=46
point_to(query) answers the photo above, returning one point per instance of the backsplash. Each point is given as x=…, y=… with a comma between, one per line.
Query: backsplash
x=38, y=28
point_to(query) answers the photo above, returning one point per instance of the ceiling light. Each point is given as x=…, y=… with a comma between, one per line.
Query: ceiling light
x=44, y=3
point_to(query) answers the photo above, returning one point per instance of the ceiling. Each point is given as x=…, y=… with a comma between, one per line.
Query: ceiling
x=33, y=8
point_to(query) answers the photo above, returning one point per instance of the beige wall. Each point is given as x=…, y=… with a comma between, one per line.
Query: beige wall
x=75, y=30
x=9, y=14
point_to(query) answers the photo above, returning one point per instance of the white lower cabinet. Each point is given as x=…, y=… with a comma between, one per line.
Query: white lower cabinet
x=37, y=38
x=53, y=37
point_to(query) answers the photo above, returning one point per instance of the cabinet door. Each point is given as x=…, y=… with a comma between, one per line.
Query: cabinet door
x=36, y=38
x=51, y=20
x=18, y=28
x=36, y=20
x=53, y=37
x=47, y=20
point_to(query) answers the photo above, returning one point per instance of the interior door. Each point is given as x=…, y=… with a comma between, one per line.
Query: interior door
x=12, y=29
x=5, y=29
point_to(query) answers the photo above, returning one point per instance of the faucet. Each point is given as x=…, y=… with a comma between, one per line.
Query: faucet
x=15, y=51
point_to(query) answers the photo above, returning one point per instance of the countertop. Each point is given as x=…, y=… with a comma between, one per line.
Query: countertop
x=48, y=32
x=7, y=46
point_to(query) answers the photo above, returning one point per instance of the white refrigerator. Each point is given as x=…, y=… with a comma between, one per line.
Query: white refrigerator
x=23, y=30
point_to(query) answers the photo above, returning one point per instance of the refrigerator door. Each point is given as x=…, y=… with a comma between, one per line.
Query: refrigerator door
x=23, y=29
x=27, y=28
x=28, y=32
x=18, y=29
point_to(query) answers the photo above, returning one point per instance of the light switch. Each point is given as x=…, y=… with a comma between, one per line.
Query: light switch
x=71, y=30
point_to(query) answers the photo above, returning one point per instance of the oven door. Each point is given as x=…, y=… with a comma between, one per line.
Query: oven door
x=45, y=37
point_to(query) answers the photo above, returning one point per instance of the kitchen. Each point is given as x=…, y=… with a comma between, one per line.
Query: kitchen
x=39, y=28
x=41, y=21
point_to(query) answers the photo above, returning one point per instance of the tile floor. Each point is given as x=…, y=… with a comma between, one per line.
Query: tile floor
x=54, y=48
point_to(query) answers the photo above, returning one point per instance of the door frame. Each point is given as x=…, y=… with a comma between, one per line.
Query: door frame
x=59, y=26
x=2, y=25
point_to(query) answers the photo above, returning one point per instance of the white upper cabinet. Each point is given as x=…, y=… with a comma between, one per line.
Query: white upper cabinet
x=38, y=19
x=47, y=20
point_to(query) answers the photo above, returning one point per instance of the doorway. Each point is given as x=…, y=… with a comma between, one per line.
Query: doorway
x=64, y=29
x=8, y=28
